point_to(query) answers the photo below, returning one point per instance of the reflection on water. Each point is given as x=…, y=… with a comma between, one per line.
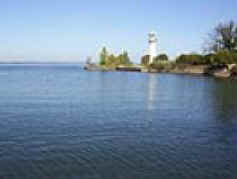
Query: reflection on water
x=152, y=91
x=59, y=121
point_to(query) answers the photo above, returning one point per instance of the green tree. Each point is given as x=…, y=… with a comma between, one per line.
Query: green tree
x=106, y=59
x=161, y=57
x=225, y=57
x=191, y=59
x=125, y=58
x=103, y=56
x=111, y=60
x=209, y=58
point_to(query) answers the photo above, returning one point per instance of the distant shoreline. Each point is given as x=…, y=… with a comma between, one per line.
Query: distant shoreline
x=218, y=71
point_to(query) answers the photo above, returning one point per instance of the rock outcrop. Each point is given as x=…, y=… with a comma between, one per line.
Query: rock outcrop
x=234, y=71
x=219, y=71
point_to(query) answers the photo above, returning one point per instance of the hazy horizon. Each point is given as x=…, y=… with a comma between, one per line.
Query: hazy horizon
x=69, y=31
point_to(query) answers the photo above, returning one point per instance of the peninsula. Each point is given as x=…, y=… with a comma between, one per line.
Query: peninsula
x=219, y=58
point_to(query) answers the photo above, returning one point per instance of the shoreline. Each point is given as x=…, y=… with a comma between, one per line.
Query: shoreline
x=217, y=71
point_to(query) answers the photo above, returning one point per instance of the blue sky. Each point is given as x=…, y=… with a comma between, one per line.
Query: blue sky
x=70, y=30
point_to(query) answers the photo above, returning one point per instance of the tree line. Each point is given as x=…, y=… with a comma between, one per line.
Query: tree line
x=113, y=60
x=220, y=48
x=160, y=58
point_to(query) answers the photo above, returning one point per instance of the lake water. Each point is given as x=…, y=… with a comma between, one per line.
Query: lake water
x=58, y=121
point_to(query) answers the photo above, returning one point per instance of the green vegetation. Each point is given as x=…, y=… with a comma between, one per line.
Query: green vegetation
x=103, y=56
x=160, y=63
x=164, y=66
x=221, y=57
x=160, y=58
x=221, y=48
x=110, y=60
x=192, y=59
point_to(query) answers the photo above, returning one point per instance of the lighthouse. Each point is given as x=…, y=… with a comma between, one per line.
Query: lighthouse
x=152, y=46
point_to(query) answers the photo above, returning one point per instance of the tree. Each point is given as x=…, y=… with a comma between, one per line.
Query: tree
x=125, y=58
x=111, y=59
x=209, y=58
x=191, y=59
x=161, y=57
x=103, y=56
x=224, y=37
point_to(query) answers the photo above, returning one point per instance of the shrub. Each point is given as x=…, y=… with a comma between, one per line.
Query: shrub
x=192, y=59
x=224, y=57
x=161, y=57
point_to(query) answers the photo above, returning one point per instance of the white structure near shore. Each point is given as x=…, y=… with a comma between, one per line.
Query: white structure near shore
x=152, y=46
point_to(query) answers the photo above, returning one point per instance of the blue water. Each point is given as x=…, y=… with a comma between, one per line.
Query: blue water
x=59, y=121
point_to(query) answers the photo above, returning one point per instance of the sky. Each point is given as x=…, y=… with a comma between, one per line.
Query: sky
x=71, y=30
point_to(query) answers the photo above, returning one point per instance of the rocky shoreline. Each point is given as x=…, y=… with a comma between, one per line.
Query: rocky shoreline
x=218, y=71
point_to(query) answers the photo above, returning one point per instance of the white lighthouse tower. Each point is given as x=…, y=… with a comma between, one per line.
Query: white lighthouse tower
x=152, y=46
